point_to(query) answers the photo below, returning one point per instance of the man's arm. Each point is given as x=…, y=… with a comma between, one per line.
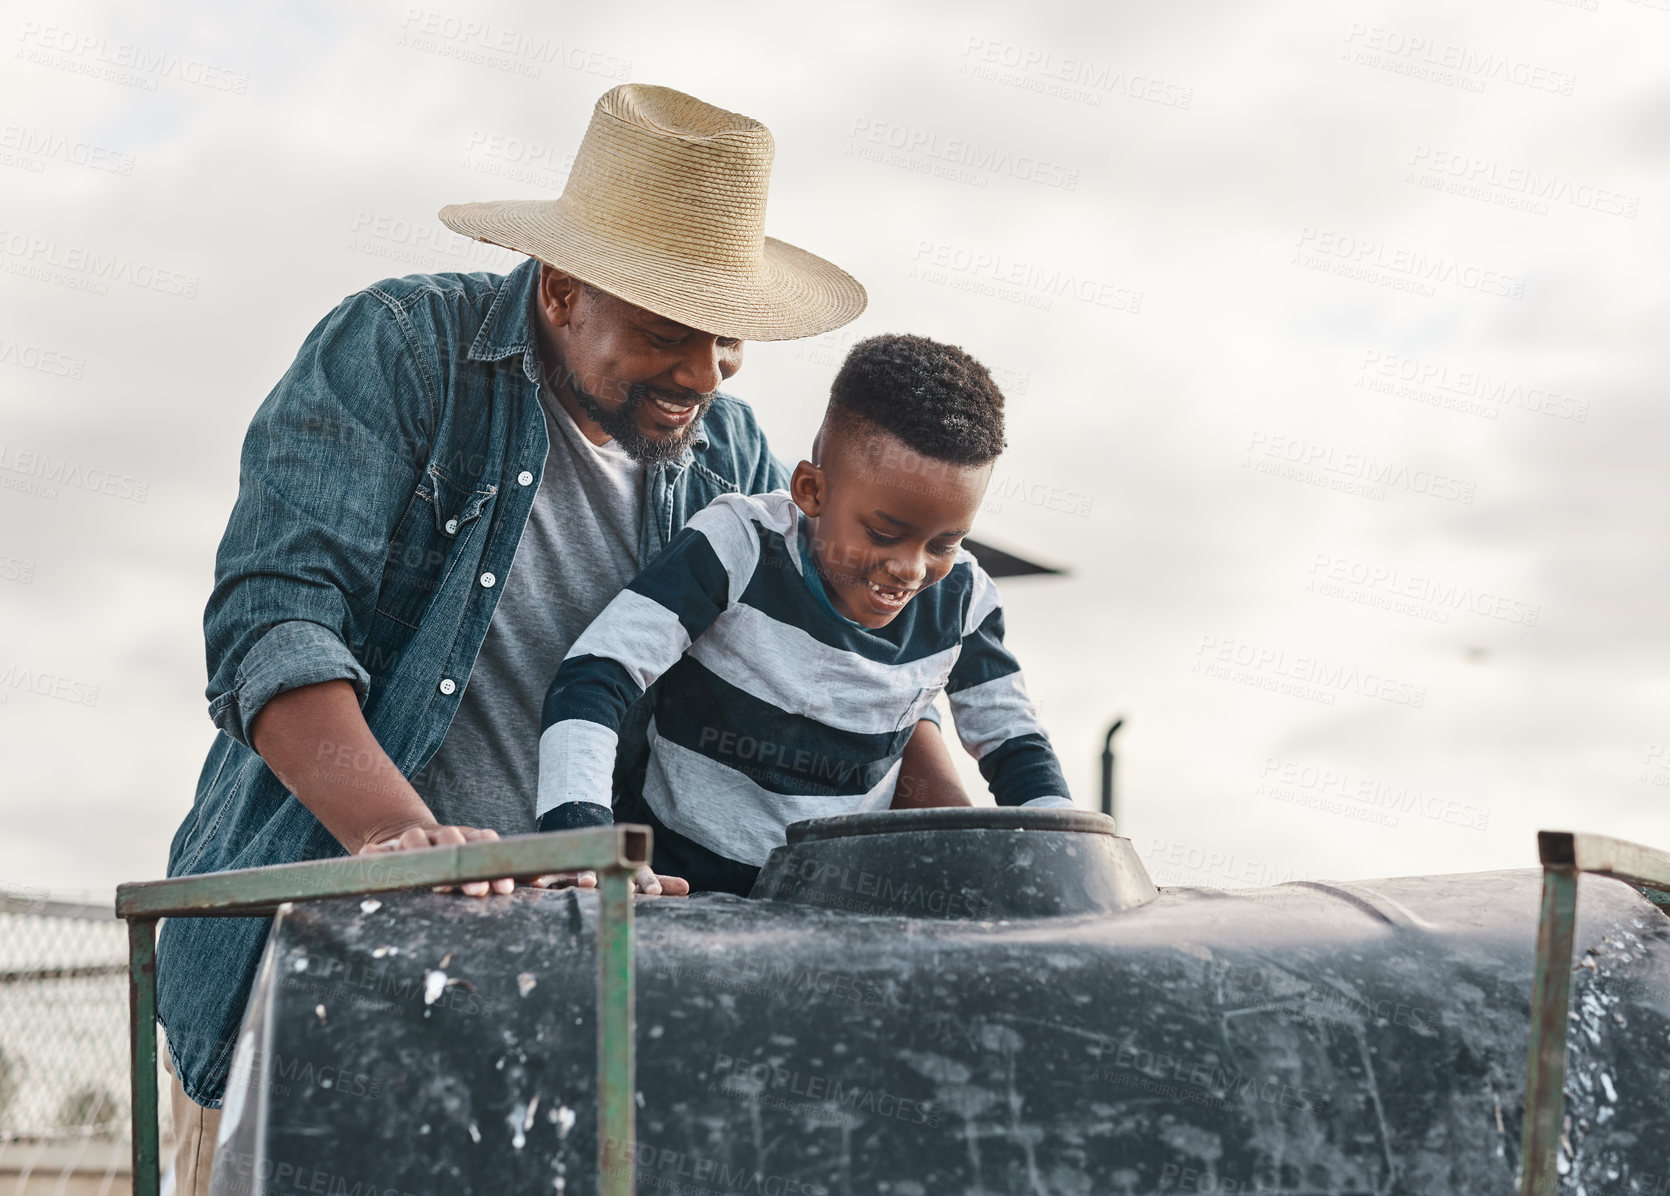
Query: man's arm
x=316, y=741
x=331, y=459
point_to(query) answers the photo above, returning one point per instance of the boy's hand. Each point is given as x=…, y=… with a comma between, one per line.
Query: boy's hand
x=415, y=837
x=645, y=882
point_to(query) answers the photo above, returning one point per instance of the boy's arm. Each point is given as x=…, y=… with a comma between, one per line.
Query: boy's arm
x=927, y=777
x=996, y=721
x=641, y=634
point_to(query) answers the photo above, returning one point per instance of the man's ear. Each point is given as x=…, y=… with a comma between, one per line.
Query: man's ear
x=806, y=488
x=558, y=292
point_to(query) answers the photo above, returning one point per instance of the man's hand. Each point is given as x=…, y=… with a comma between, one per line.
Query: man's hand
x=645, y=882
x=316, y=741
x=433, y=835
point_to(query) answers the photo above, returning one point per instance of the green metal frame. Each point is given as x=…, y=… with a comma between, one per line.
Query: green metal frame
x=1564, y=855
x=614, y=853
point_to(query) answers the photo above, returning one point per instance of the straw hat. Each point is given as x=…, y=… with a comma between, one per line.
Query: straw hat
x=665, y=207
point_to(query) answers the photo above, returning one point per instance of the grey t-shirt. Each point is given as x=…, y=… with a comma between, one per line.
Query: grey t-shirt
x=578, y=550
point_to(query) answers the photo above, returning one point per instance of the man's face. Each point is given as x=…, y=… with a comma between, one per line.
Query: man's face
x=885, y=521
x=642, y=379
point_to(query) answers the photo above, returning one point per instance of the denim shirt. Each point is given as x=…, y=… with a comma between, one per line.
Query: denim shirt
x=383, y=487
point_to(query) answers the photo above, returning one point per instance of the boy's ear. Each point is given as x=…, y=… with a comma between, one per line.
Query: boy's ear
x=806, y=488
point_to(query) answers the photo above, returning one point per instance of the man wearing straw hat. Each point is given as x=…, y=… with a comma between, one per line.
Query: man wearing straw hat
x=458, y=472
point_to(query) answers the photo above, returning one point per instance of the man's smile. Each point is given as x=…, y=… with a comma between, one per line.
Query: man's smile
x=674, y=415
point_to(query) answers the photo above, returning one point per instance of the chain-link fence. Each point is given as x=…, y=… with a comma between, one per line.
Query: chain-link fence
x=64, y=1097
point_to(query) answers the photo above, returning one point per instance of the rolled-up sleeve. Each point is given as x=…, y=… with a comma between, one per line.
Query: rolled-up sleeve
x=288, y=656
x=331, y=459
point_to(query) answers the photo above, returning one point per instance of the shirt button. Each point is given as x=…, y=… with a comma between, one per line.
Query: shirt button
x=525, y=478
x=448, y=685
x=452, y=527
x=488, y=581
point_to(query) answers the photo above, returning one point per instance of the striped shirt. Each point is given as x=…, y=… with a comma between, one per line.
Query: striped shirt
x=771, y=707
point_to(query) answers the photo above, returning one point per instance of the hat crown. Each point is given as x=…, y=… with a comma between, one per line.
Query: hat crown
x=670, y=175
x=676, y=114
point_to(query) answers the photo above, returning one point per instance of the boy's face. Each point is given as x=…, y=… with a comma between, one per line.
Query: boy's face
x=885, y=520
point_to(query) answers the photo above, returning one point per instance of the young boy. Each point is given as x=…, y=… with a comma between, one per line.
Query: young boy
x=799, y=635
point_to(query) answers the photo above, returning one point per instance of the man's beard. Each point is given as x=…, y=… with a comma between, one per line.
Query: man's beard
x=621, y=423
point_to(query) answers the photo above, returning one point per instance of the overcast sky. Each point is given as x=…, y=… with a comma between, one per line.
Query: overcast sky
x=1333, y=335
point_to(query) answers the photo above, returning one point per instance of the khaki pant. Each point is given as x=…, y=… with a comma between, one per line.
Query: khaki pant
x=194, y=1138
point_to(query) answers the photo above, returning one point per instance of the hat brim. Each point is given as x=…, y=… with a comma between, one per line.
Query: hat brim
x=792, y=294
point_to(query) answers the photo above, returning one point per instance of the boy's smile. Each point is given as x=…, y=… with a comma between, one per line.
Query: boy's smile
x=885, y=521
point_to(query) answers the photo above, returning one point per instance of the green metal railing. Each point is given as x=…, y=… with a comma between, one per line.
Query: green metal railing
x=1564, y=855
x=615, y=853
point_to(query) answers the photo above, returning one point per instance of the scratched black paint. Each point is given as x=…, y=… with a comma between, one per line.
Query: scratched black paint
x=1340, y=1038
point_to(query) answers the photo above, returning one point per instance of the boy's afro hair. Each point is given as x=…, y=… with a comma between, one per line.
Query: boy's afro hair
x=935, y=398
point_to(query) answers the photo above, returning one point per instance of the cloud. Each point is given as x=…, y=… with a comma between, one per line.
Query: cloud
x=1251, y=282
